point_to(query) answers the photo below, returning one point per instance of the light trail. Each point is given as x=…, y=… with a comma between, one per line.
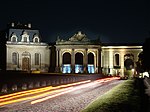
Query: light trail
x=73, y=89
x=11, y=97
x=25, y=93
x=51, y=91
x=28, y=91
x=33, y=97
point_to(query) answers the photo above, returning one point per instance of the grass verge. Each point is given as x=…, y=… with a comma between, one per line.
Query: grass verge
x=126, y=97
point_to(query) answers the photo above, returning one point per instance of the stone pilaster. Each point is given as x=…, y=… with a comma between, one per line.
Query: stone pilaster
x=72, y=61
x=85, y=62
x=57, y=69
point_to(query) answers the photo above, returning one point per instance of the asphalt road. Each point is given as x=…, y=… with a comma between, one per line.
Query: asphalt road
x=71, y=99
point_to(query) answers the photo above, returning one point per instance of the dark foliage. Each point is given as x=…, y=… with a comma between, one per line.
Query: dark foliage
x=145, y=55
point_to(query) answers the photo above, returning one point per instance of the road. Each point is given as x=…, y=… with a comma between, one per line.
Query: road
x=65, y=98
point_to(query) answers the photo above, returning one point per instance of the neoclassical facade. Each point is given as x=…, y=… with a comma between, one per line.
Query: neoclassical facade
x=24, y=49
x=78, y=55
x=119, y=59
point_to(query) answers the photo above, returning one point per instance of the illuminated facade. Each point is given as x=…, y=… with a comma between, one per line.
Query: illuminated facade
x=24, y=49
x=78, y=55
x=119, y=59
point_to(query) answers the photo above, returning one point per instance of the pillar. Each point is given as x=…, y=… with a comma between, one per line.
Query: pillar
x=72, y=61
x=57, y=69
x=99, y=61
x=85, y=61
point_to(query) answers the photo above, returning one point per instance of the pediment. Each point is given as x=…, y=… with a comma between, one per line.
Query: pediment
x=79, y=37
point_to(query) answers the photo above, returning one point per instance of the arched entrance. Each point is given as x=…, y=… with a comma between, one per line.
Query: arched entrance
x=78, y=63
x=129, y=65
x=26, y=61
x=91, y=63
x=66, y=67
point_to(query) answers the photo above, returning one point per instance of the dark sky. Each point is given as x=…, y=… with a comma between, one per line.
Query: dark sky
x=116, y=21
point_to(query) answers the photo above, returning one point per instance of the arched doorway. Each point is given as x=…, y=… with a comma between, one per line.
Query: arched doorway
x=129, y=65
x=91, y=68
x=66, y=67
x=26, y=61
x=78, y=63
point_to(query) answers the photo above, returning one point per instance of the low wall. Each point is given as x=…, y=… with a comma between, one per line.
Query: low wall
x=15, y=81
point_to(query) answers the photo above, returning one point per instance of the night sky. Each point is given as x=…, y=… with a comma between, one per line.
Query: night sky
x=115, y=21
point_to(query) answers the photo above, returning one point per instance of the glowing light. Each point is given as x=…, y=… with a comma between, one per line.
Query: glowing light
x=75, y=88
x=52, y=96
x=32, y=97
x=28, y=92
x=66, y=68
x=78, y=68
x=145, y=74
x=11, y=98
x=91, y=68
x=51, y=91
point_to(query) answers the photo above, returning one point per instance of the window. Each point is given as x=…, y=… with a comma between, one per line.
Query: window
x=25, y=39
x=36, y=40
x=37, y=59
x=116, y=59
x=14, y=39
x=15, y=58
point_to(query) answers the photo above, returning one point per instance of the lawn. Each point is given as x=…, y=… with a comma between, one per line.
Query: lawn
x=126, y=97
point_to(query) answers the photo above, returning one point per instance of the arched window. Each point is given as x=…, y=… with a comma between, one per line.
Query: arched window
x=79, y=58
x=36, y=40
x=15, y=58
x=37, y=59
x=66, y=58
x=25, y=37
x=91, y=63
x=116, y=59
x=14, y=39
x=90, y=58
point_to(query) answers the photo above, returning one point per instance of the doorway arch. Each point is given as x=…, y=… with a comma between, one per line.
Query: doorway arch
x=91, y=68
x=66, y=67
x=26, y=61
x=129, y=65
x=78, y=62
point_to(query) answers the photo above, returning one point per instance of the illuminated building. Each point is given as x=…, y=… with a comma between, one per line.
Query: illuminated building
x=78, y=55
x=120, y=59
x=24, y=49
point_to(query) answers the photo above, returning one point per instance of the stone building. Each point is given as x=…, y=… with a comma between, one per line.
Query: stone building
x=79, y=54
x=24, y=49
x=120, y=59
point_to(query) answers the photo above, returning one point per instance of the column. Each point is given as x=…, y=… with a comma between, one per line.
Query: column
x=85, y=61
x=99, y=61
x=122, y=64
x=73, y=61
x=57, y=69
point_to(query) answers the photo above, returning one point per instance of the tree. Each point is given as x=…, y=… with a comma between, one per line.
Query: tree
x=145, y=56
x=139, y=63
